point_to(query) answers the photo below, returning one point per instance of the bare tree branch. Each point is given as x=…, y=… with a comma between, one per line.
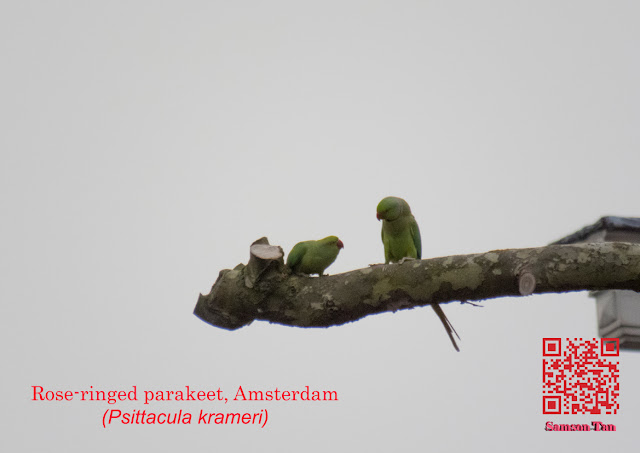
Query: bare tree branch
x=266, y=290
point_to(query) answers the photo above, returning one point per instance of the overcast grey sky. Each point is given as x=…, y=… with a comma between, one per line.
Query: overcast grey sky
x=147, y=144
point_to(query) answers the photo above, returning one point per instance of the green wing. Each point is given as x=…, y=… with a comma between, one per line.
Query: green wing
x=415, y=235
x=296, y=254
x=386, y=247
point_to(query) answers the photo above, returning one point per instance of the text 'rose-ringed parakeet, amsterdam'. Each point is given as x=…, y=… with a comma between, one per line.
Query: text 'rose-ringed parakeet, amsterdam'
x=401, y=239
x=313, y=257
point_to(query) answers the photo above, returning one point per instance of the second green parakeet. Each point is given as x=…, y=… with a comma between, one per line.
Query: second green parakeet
x=313, y=257
x=400, y=232
x=401, y=239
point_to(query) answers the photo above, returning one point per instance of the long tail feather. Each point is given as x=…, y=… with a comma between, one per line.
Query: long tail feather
x=447, y=325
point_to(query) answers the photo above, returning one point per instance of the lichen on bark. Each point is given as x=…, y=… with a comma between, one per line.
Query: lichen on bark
x=266, y=290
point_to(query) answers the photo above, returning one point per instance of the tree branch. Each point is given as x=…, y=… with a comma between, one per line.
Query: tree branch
x=266, y=290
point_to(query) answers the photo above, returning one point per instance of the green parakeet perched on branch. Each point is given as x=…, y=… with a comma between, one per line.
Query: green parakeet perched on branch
x=313, y=257
x=400, y=232
x=401, y=239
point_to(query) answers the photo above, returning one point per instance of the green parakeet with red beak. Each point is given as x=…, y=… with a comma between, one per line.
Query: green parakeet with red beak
x=313, y=257
x=401, y=239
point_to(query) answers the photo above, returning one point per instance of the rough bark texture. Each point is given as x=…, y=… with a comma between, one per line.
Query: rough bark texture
x=266, y=290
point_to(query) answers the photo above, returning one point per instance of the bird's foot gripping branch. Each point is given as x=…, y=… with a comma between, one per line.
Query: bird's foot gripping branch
x=265, y=289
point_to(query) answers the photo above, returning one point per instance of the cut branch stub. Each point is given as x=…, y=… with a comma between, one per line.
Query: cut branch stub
x=270, y=292
x=236, y=295
x=262, y=258
x=526, y=283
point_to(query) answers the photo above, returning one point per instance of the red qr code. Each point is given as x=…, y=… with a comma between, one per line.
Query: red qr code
x=580, y=376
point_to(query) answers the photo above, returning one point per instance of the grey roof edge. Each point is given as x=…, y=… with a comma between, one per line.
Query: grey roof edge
x=607, y=223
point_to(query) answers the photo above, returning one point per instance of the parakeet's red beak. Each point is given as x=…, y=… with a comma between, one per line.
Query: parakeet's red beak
x=378, y=215
x=340, y=244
